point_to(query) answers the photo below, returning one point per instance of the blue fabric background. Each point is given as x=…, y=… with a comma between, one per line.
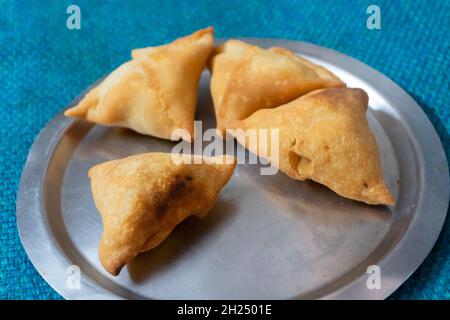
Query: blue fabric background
x=43, y=66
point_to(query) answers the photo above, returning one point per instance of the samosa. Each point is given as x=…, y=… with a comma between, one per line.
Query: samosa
x=323, y=136
x=142, y=198
x=155, y=92
x=246, y=78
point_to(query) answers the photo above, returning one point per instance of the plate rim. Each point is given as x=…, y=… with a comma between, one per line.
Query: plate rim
x=29, y=209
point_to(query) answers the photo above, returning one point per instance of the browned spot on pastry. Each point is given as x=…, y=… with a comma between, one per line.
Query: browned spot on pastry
x=326, y=147
x=188, y=178
x=294, y=159
x=365, y=185
x=176, y=190
x=116, y=270
x=299, y=163
x=293, y=143
x=161, y=209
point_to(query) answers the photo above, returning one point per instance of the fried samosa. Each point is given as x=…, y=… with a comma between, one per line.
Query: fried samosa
x=155, y=92
x=246, y=78
x=323, y=136
x=142, y=198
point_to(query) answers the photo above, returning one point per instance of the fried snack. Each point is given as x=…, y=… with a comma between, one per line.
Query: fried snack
x=246, y=78
x=142, y=198
x=155, y=92
x=324, y=136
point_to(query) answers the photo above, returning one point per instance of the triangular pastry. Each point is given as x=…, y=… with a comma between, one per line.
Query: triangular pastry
x=143, y=197
x=155, y=92
x=246, y=78
x=323, y=136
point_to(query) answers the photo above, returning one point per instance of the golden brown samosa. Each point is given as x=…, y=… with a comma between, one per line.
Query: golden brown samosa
x=324, y=136
x=155, y=92
x=246, y=78
x=143, y=197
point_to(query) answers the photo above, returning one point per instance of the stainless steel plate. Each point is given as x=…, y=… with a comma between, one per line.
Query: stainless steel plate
x=268, y=236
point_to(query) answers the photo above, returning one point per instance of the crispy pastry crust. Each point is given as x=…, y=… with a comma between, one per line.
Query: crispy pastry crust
x=324, y=136
x=142, y=198
x=155, y=92
x=246, y=78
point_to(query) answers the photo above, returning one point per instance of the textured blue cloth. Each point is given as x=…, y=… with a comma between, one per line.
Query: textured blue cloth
x=43, y=66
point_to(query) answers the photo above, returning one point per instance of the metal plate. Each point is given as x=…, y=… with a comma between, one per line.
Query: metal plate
x=268, y=236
